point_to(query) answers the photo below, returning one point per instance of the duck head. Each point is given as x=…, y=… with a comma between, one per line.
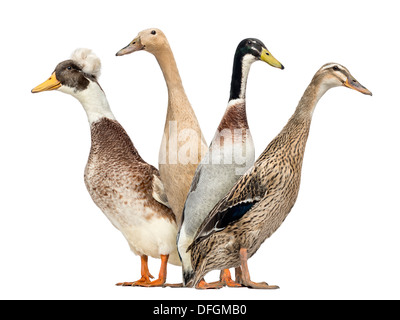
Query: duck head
x=247, y=52
x=74, y=75
x=150, y=40
x=335, y=75
x=78, y=77
x=252, y=49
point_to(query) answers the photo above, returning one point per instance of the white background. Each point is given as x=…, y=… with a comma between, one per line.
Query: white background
x=341, y=240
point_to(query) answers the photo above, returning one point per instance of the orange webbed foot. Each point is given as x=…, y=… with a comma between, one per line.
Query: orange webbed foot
x=202, y=285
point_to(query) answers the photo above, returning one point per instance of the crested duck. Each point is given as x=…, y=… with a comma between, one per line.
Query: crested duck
x=262, y=198
x=230, y=154
x=176, y=169
x=126, y=188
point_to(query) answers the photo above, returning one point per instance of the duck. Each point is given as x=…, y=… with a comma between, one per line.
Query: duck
x=261, y=199
x=182, y=132
x=230, y=155
x=127, y=189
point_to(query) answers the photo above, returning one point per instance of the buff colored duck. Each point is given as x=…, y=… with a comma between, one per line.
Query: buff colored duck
x=231, y=154
x=176, y=169
x=263, y=197
x=126, y=188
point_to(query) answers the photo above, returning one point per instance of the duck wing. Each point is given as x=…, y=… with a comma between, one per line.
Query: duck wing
x=246, y=194
x=159, y=192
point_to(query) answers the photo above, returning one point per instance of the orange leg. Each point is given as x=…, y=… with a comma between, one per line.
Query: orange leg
x=245, y=275
x=144, y=270
x=204, y=285
x=162, y=277
x=225, y=279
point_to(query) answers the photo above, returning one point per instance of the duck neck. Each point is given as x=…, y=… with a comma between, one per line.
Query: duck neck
x=240, y=73
x=315, y=90
x=307, y=104
x=166, y=60
x=94, y=101
x=297, y=129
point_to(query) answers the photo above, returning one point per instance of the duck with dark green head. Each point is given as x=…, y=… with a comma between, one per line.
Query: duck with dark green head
x=229, y=156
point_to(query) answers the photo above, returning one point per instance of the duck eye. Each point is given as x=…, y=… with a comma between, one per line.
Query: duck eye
x=69, y=68
x=249, y=42
x=336, y=68
x=153, y=32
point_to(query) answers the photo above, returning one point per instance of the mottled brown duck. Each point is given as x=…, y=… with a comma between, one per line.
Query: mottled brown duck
x=262, y=198
x=126, y=188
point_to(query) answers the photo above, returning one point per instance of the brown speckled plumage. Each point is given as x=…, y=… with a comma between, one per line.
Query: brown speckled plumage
x=115, y=164
x=261, y=200
x=273, y=185
x=128, y=190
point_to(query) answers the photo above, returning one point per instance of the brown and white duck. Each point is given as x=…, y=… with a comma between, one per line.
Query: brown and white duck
x=126, y=188
x=182, y=133
x=263, y=197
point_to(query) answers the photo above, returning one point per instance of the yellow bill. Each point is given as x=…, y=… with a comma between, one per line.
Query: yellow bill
x=267, y=57
x=50, y=84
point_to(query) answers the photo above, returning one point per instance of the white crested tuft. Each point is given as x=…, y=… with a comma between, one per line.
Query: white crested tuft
x=89, y=62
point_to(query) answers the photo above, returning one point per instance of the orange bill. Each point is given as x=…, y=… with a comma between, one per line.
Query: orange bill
x=355, y=85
